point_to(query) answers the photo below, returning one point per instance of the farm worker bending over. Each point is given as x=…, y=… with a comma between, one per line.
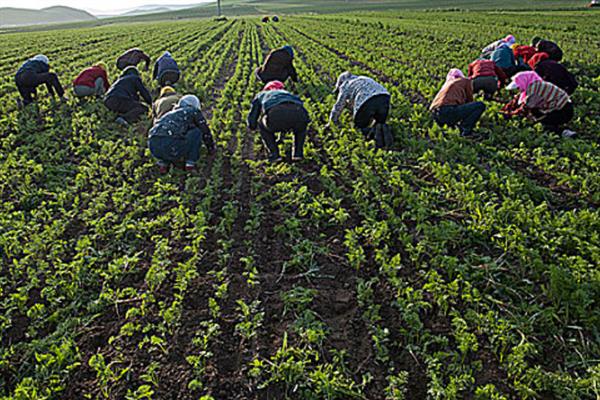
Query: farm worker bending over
x=131, y=58
x=553, y=72
x=166, y=102
x=166, y=71
x=33, y=73
x=523, y=53
x=489, y=49
x=278, y=66
x=369, y=102
x=546, y=46
x=486, y=77
x=276, y=110
x=504, y=58
x=542, y=101
x=123, y=97
x=92, y=81
x=178, y=135
x=453, y=105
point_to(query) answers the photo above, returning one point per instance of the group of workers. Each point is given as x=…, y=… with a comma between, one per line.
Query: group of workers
x=179, y=128
x=544, y=85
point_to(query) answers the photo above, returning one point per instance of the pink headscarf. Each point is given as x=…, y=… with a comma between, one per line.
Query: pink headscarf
x=510, y=39
x=454, y=73
x=522, y=80
x=274, y=85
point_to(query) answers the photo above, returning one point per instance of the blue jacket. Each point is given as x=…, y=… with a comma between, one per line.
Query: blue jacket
x=264, y=101
x=34, y=66
x=129, y=87
x=504, y=57
x=164, y=63
x=176, y=124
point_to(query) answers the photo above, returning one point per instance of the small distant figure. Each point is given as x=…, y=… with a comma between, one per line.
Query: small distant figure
x=486, y=77
x=178, y=135
x=546, y=46
x=370, y=105
x=275, y=18
x=275, y=110
x=504, y=58
x=454, y=105
x=33, y=73
x=131, y=58
x=265, y=20
x=554, y=72
x=165, y=103
x=490, y=48
x=278, y=66
x=166, y=71
x=123, y=97
x=541, y=102
x=92, y=81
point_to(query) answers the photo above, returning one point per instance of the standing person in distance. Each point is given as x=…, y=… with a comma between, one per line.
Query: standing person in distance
x=454, y=105
x=166, y=71
x=542, y=102
x=278, y=66
x=92, y=81
x=553, y=72
x=275, y=110
x=486, y=77
x=123, y=97
x=131, y=58
x=370, y=105
x=178, y=135
x=165, y=103
x=33, y=73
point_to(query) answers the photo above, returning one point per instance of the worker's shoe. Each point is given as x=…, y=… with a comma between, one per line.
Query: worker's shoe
x=163, y=168
x=121, y=121
x=567, y=134
x=190, y=166
x=274, y=158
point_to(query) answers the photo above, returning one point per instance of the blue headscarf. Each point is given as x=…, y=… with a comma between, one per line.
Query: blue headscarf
x=289, y=50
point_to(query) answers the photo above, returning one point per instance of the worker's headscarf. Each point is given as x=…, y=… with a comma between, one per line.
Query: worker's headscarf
x=102, y=66
x=514, y=47
x=521, y=81
x=189, y=100
x=42, y=58
x=343, y=79
x=535, y=41
x=538, y=58
x=454, y=73
x=167, y=54
x=274, y=85
x=510, y=40
x=167, y=90
x=131, y=70
x=289, y=49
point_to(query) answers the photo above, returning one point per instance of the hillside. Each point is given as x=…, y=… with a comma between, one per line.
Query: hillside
x=51, y=15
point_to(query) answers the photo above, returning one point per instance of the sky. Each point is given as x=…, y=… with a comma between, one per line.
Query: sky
x=93, y=6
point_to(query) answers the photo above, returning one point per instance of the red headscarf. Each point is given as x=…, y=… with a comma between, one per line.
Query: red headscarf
x=537, y=58
x=274, y=85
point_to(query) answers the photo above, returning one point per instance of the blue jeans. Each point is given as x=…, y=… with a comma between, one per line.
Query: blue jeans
x=168, y=149
x=465, y=116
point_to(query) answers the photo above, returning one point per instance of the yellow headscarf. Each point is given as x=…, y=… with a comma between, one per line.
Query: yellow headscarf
x=167, y=90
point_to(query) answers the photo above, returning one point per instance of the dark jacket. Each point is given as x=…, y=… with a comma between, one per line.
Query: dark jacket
x=278, y=66
x=129, y=87
x=264, y=101
x=504, y=57
x=34, y=66
x=554, y=52
x=164, y=63
x=177, y=123
x=556, y=73
x=132, y=57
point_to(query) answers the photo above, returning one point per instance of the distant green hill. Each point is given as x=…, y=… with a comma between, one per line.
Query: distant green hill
x=21, y=16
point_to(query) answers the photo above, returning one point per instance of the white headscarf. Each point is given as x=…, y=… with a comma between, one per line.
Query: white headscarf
x=343, y=78
x=42, y=58
x=189, y=100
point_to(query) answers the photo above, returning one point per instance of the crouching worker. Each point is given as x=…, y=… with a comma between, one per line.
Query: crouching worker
x=177, y=136
x=166, y=102
x=92, y=81
x=166, y=71
x=123, y=97
x=33, y=73
x=486, y=77
x=454, y=105
x=553, y=72
x=278, y=66
x=370, y=105
x=541, y=102
x=275, y=110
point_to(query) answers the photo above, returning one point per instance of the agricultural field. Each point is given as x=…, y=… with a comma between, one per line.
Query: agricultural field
x=449, y=268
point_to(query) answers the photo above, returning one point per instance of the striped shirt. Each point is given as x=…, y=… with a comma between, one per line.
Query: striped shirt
x=546, y=97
